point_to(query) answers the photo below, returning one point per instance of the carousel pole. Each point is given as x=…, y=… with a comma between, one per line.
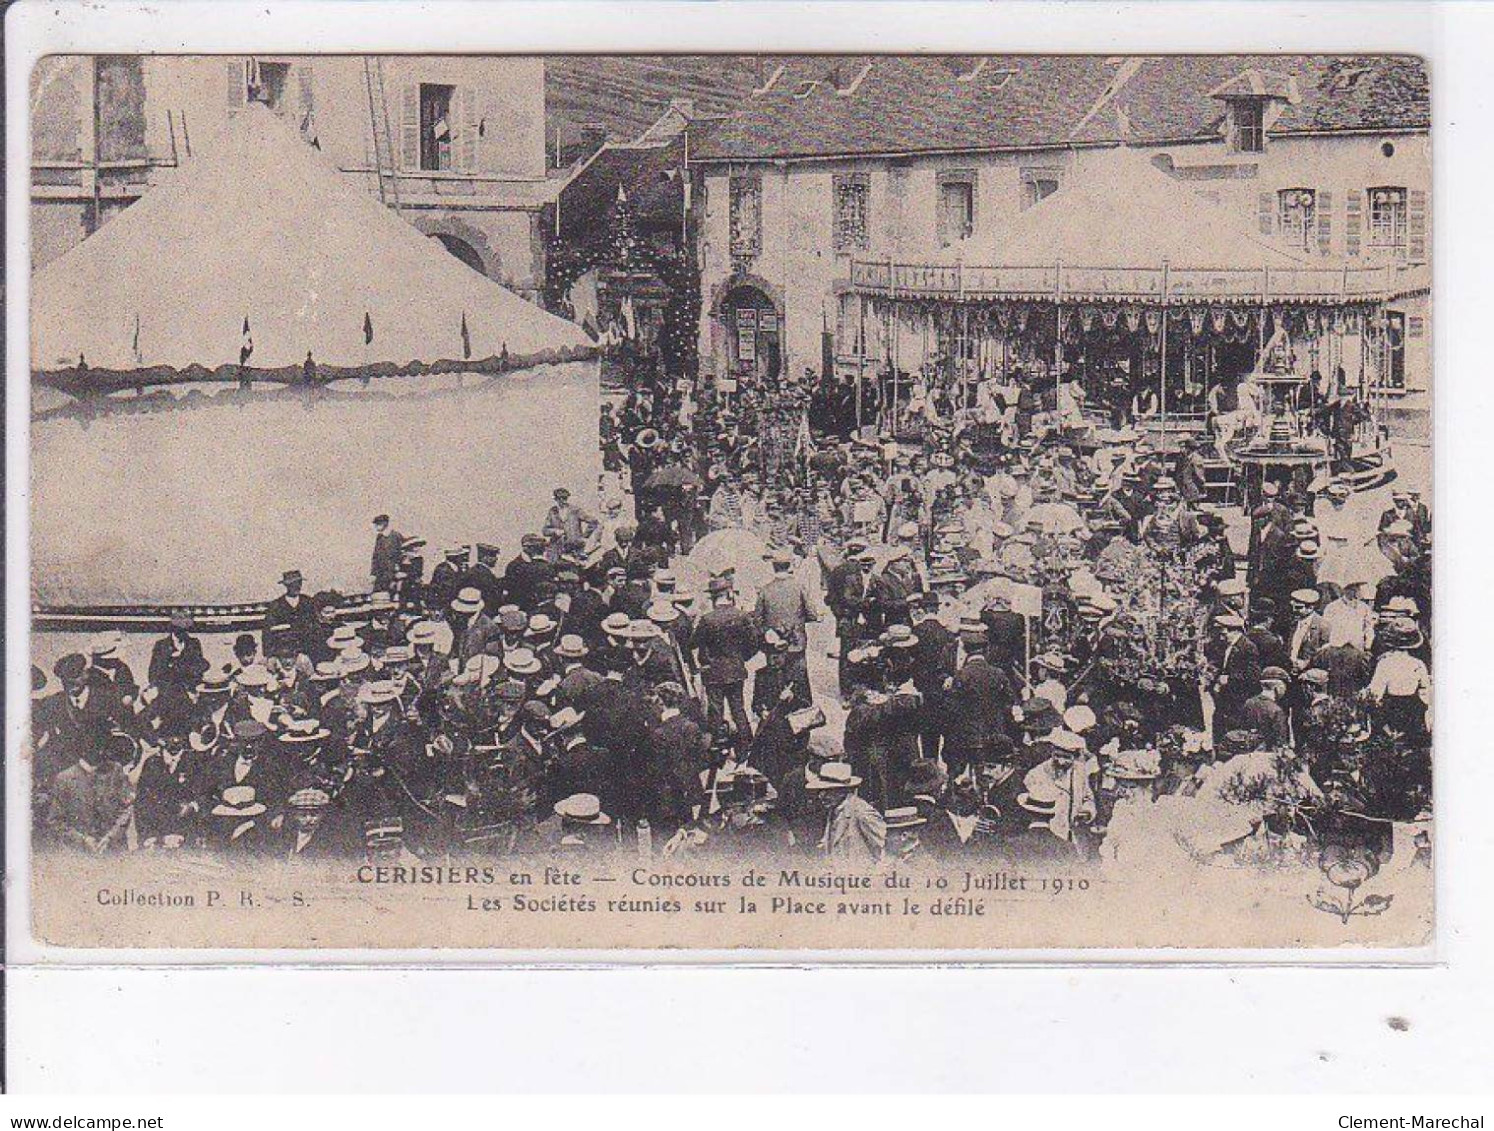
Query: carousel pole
x=1058, y=337
x=1162, y=354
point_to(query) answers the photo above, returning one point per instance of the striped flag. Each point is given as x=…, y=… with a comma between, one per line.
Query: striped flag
x=367, y=328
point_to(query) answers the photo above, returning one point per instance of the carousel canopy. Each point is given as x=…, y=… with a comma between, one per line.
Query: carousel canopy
x=257, y=239
x=1125, y=212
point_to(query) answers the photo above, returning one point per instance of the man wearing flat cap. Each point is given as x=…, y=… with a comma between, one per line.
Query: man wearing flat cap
x=568, y=528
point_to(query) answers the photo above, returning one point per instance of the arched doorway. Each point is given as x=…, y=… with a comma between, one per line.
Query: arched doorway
x=754, y=333
x=462, y=250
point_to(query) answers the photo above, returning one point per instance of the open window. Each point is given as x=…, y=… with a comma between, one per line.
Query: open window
x=436, y=126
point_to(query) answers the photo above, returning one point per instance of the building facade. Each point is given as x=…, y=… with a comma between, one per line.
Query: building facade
x=930, y=160
x=455, y=144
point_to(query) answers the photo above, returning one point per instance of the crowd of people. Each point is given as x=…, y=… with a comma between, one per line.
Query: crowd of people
x=1056, y=645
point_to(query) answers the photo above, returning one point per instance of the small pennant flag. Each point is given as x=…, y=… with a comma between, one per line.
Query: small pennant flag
x=367, y=328
x=246, y=347
x=135, y=343
x=466, y=339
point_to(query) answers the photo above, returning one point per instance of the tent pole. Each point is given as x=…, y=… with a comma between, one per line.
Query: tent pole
x=1162, y=351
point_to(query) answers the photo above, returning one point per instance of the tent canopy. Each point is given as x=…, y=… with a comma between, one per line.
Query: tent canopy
x=260, y=228
x=1127, y=213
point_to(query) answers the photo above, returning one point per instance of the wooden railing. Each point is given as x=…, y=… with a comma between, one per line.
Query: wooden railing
x=972, y=282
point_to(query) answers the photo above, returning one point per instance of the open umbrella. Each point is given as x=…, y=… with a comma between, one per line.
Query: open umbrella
x=673, y=475
x=737, y=550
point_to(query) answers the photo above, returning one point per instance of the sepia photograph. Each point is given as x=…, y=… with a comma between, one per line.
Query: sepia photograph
x=929, y=503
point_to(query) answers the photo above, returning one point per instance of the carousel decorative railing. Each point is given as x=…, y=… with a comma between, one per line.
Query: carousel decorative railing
x=1057, y=282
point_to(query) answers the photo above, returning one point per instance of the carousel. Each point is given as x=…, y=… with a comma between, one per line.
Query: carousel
x=1124, y=304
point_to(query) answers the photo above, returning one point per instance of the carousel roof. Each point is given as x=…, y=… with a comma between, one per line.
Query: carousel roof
x=260, y=228
x=1124, y=213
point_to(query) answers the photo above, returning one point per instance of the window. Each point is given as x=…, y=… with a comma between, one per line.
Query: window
x=956, y=207
x=852, y=231
x=1296, y=216
x=1250, y=125
x=435, y=126
x=746, y=215
x=270, y=85
x=1039, y=184
x=1387, y=218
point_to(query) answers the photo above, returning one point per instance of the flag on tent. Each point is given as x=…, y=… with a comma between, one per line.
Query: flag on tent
x=367, y=328
x=246, y=347
x=135, y=343
x=466, y=339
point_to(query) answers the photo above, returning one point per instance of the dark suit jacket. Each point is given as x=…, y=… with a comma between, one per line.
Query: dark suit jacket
x=305, y=627
x=179, y=672
x=978, y=706
x=725, y=639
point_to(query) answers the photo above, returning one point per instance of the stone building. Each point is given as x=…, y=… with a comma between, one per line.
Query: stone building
x=928, y=160
x=456, y=144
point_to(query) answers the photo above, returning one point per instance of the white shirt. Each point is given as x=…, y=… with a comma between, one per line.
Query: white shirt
x=1400, y=673
x=1349, y=622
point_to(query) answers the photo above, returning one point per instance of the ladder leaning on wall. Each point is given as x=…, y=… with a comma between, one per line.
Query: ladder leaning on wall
x=383, y=139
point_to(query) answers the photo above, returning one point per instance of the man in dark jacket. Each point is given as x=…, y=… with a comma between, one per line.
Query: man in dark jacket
x=725, y=639
x=978, y=706
x=525, y=573
x=176, y=665
x=302, y=626
x=934, y=658
x=388, y=544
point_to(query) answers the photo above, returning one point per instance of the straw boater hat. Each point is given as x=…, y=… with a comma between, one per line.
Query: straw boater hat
x=899, y=636
x=571, y=647
x=343, y=636
x=326, y=671
x=468, y=600
x=378, y=692
x=832, y=775
x=905, y=817
x=1401, y=606
x=1306, y=596
x=540, y=624
x=303, y=732
x=582, y=809
x=1400, y=633
x=238, y=801
x=105, y=644
x=616, y=624
x=566, y=718
x=214, y=681
x=352, y=661
x=662, y=612
x=310, y=799
x=422, y=632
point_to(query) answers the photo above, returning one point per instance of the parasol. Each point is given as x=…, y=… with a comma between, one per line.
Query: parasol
x=738, y=550
x=673, y=475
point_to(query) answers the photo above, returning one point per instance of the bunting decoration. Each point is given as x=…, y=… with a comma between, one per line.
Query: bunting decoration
x=1216, y=319
x=1133, y=318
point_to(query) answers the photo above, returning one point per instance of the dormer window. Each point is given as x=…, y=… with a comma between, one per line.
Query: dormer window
x=1248, y=118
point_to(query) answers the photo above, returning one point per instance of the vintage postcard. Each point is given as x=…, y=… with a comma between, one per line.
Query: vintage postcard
x=798, y=503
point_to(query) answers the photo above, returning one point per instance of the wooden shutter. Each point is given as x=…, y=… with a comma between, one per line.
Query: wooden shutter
x=236, y=84
x=304, y=90
x=467, y=116
x=1416, y=225
x=409, y=128
x=1353, y=221
x=1323, y=206
x=1267, y=208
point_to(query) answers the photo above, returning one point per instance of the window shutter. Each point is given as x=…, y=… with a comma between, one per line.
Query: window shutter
x=468, y=116
x=304, y=89
x=1267, y=206
x=1416, y=225
x=409, y=128
x=1323, y=205
x=236, y=84
x=1353, y=220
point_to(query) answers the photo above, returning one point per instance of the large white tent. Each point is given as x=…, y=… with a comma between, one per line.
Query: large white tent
x=259, y=228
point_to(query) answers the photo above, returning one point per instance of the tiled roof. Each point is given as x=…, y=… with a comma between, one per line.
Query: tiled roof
x=911, y=104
